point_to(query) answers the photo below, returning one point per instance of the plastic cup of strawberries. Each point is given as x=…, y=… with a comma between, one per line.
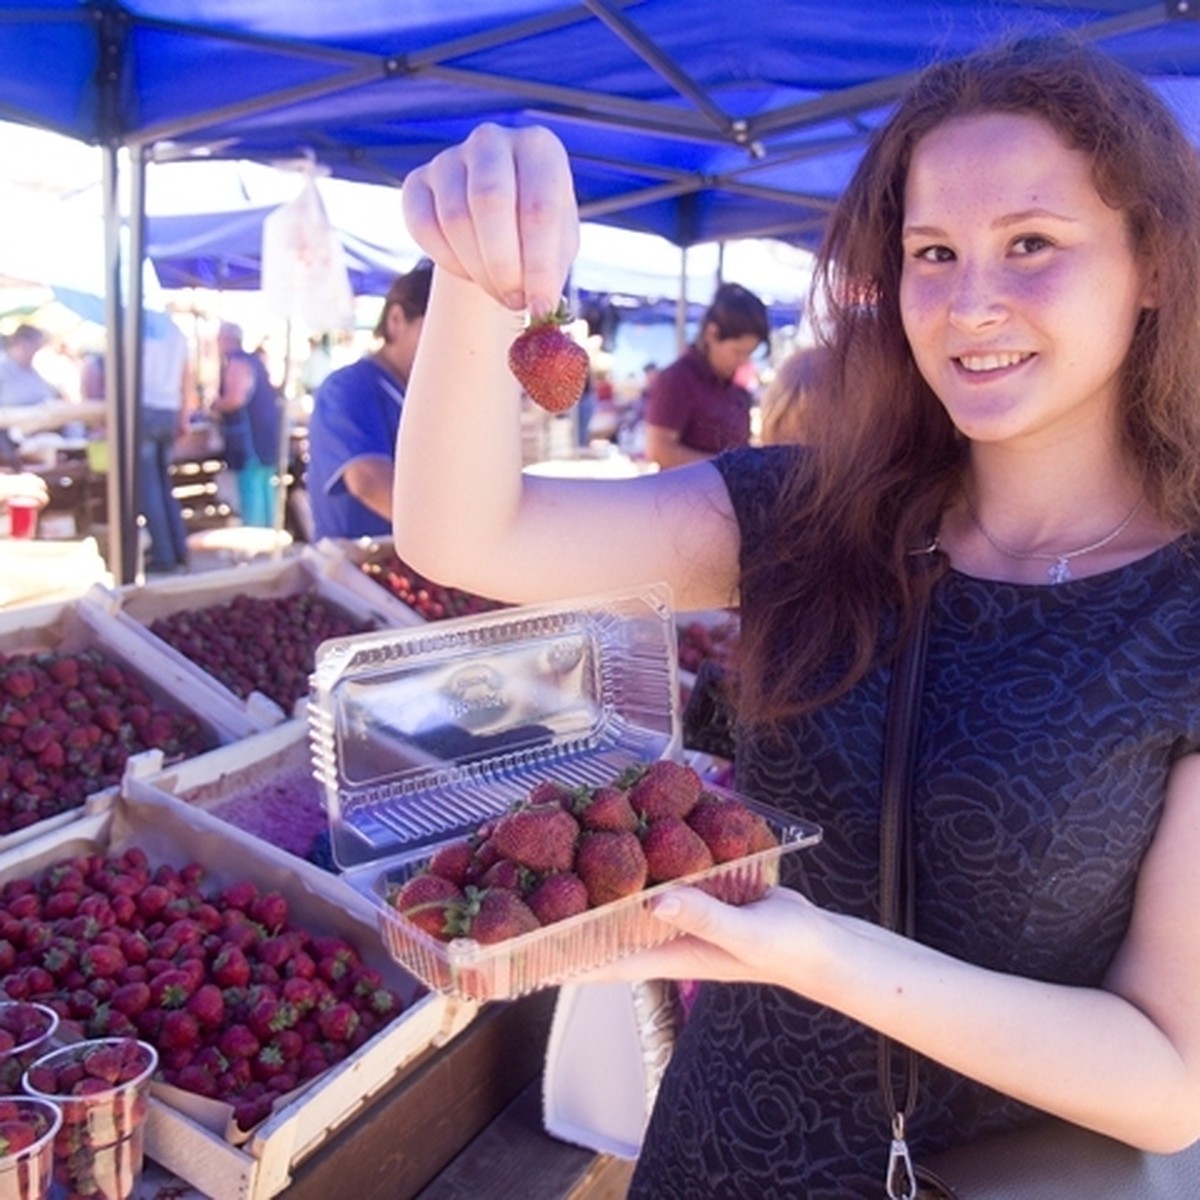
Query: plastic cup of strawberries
x=28, y=1127
x=102, y=1087
x=25, y=1032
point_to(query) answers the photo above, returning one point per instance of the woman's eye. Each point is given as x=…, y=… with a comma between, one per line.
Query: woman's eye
x=934, y=254
x=1030, y=243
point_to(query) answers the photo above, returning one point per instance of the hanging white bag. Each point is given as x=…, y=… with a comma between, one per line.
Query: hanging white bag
x=304, y=274
x=608, y=1048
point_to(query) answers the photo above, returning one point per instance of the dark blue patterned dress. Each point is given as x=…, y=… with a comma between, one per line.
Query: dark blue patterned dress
x=1050, y=719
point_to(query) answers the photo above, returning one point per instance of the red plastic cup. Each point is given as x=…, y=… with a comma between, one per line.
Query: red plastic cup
x=28, y=1127
x=99, y=1149
x=23, y=516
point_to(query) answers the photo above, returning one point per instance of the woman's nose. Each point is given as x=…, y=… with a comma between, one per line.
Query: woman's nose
x=977, y=298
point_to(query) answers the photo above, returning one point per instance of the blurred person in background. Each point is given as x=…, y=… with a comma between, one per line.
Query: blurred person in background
x=168, y=398
x=251, y=418
x=788, y=395
x=695, y=408
x=356, y=416
x=21, y=384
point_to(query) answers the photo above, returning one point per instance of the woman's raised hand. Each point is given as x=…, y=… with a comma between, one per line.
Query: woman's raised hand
x=499, y=209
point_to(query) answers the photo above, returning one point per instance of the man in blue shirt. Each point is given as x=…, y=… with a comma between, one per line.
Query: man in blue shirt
x=356, y=416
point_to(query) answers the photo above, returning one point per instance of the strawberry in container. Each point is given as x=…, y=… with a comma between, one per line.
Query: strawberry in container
x=102, y=1089
x=25, y=1031
x=28, y=1127
x=506, y=790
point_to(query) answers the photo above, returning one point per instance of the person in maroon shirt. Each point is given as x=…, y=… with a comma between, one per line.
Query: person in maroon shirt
x=694, y=409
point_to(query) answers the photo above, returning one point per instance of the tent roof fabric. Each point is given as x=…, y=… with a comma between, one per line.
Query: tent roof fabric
x=698, y=120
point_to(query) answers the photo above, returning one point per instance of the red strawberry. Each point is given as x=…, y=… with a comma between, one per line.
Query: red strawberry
x=302, y=994
x=240, y=895
x=248, y=1113
x=17, y=1135
x=268, y=1017
x=452, y=861
x=104, y=1062
x=171, y=988
x=725, y=825
x=611, y=864
x=541, y=838
x=558, y=897
x=207, y=1005
x=104, y=961
x=270, y=910
x=196, y=1078
x=762, y=836
x=550, y=791
x=152, y=899
x=180, y=1030
x=131, y=998
x=237, y=1041
x=338, y=1022
x=492, y=915
x=673, y=848
x=230, y=968
x=549, y=365
x=605, y=808
x=664, y=789
x=507, y=874
x=425, y=899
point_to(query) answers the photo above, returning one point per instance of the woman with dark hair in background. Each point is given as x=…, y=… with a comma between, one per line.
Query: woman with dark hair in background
x=694, y=408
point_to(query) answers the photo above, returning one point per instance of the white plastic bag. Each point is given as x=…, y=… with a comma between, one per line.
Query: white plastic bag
x=609, y=1046
x=304, y=274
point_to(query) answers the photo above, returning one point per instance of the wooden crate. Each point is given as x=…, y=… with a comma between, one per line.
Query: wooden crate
x=71, y=626
x=261, y=1166
x=136, y=607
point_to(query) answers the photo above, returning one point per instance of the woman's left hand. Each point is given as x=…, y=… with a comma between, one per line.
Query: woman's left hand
x=718, y=941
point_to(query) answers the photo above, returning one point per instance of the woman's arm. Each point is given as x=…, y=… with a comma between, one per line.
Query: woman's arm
x=498, y=216
x=1123, y=1059
x=236, y=385
x=664, y=447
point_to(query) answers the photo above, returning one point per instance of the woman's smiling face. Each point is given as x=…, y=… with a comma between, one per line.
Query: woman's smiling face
x=1020, y=290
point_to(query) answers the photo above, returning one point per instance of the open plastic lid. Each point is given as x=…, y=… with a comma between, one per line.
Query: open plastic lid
x=423, y=733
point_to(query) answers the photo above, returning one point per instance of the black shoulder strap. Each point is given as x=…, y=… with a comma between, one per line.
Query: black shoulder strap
x=897, y=898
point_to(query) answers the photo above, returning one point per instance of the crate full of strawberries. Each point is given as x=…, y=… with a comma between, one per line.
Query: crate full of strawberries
x=506, y=790
x=259, y=982
x=247, y=635
x=79, y=700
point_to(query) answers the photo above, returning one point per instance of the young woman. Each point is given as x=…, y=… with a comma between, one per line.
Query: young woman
x=1012, y=283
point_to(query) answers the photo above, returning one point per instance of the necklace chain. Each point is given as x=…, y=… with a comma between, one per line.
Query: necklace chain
x=1060, y=563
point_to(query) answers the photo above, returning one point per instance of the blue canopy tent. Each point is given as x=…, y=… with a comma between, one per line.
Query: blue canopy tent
x=699, y=120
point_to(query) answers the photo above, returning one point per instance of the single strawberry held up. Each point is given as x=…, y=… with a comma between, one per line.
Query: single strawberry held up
x=549, y=365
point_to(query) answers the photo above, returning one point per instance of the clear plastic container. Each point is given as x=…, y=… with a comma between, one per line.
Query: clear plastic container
x=29, y=1026
x=27, y=1173
x=421, y=735
x=99, y=1148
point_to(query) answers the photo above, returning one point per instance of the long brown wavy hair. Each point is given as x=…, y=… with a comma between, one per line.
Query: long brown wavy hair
x=887, y=461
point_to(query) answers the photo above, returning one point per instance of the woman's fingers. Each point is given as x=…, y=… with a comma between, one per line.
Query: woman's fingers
x=499, y=209
x=547, y=217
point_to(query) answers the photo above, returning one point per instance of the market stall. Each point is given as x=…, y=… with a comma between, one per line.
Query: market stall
x=207, y=792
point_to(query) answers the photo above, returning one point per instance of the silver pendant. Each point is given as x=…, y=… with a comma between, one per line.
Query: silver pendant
x=1060, y=571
